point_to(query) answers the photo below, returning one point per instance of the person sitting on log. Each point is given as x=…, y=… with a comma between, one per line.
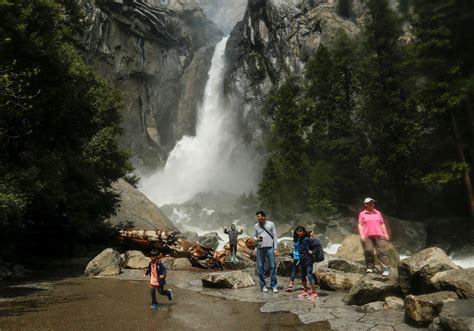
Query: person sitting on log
x=233, y=234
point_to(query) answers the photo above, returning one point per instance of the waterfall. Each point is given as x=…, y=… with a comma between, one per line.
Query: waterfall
x=216, y=159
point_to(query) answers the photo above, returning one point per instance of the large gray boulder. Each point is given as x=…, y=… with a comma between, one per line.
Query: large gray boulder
x=415, y=272
x=136, y=260
x=285, y=247
x=182, y=264
x=210, y=240
x=107, y=263
x=136, y=211
x=422, y=309
x=351, y=250
x=457, y=315
x=460, y=281
x=232, y=279
x=284, y=266
x=346, y=266
x=372, y=287
x=334, y=280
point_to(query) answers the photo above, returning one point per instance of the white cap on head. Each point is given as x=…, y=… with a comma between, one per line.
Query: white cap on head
x=367, y=200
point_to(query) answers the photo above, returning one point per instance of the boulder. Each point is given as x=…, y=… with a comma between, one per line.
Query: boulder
x=422, y=309
x=372, y=287
x=231, y=279
x=182, y=264
x=371, y=307
x=136, y=211
x=460, y=281
x=284, y=266
x=408, y=237
x=210, y=240
x=415, y=272
x=346, y=266
x=107, y=263
x=189, y=235
x=394, y=303
x=168, y=262
x=234, y=265
x=351, y=250
x=334, y=280
x=457, y=315
x=136, y=260
x=285, y=247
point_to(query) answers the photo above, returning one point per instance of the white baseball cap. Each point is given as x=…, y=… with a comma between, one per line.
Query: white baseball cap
x=367, y=200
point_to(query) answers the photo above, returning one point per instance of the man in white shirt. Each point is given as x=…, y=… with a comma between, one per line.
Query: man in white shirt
x=266, y=236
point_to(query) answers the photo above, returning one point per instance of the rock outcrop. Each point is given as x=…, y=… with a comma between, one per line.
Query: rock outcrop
x=460, y=281
x=157, y=53
x=232, y=279
x=107, y=263
x=456, y=315
x=422, y=309
x=415, y=272
x=334, y=280
x=372, y=288
x=136, y=211
x=136, y=260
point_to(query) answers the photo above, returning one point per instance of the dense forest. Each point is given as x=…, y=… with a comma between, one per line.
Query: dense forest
x=386, y=114
x=59, y=129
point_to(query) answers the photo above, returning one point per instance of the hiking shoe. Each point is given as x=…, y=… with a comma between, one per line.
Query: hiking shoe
x=369, y=270
x=154, y=306
x=303, y=294
x=386, y=273
x=264, y=289
x=170, y=295
x=312, y=296
x=289, y=288
x=275, y=290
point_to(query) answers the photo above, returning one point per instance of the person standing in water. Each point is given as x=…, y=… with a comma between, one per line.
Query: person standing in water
x=233, y=235
x=373, y=235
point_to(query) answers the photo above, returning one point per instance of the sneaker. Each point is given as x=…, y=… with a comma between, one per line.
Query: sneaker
x=170, y=295
x=386, y=273
x=303, y=294
x=369, y=270
x=275, y=290
x=264, y=289
x=289, y=288
x=312, y=296
x=154, y=306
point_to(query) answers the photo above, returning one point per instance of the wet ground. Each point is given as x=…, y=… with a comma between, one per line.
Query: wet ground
x=80, y=303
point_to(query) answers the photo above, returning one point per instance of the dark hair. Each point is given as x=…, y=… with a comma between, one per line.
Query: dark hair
x=260, y=212
x=295, y=236
x=300, y=228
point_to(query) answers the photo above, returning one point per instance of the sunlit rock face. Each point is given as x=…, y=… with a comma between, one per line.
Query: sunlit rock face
x=157, y=53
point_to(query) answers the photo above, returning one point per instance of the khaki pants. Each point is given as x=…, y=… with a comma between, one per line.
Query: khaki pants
x=380, y=246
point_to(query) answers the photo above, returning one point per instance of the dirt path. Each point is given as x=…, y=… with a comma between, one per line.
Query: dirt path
x=79, y=303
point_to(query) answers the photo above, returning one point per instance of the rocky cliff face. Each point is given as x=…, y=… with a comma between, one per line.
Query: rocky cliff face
x=225, y=13
x=157, y=53
x=274, y=40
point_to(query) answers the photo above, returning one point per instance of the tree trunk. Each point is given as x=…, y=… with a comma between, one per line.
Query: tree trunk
x=462, y=157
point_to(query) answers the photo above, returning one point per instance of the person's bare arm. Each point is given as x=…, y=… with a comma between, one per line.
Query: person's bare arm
x=361, y=232
x=384, y=229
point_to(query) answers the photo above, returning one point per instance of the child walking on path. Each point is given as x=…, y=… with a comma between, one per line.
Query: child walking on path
x=296, y=262
x=157, y=271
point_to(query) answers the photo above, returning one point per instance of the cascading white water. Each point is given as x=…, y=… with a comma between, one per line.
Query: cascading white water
x=216, y=159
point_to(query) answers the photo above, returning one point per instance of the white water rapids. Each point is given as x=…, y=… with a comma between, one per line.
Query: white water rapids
x=216, y=159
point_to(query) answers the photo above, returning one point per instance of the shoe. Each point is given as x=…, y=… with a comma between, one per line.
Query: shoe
x=303, y=294
x=275, y=290
x=264, y=289
x=170, y=295
x=386, y=273
x=154, y=306
x=369, y=270
x=289, y=288
x=312, y=296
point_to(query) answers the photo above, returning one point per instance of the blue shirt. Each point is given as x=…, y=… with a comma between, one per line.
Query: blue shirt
x=296, y=252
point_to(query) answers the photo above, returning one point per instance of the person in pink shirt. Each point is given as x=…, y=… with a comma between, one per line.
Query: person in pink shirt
x=373, y=235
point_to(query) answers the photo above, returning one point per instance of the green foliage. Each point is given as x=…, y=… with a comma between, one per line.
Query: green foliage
x=59, y=131
x=381, y=115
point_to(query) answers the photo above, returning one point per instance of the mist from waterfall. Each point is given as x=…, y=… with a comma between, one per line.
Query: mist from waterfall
x=216, y=159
